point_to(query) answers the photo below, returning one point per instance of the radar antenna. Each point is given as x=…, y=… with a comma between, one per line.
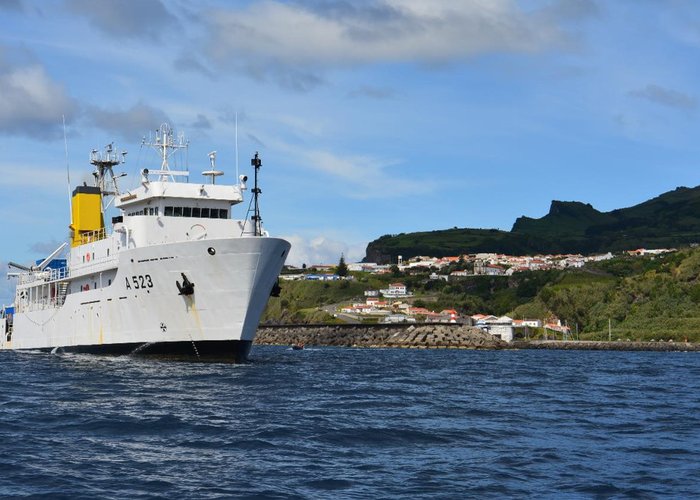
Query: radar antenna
x=104, y=162
x=166, y=145
x=213, y=172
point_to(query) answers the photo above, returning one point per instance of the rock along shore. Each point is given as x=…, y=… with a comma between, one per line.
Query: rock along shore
x=413, y=336
x=434, y=336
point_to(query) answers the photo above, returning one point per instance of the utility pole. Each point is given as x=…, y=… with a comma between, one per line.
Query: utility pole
x=609, y=330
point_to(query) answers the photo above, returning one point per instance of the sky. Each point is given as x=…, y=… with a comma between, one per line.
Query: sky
x=371, y=117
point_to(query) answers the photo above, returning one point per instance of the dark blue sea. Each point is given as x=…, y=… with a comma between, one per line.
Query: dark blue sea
x=352, y=423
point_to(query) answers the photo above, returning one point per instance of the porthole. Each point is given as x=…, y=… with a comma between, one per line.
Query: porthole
x=211, y=250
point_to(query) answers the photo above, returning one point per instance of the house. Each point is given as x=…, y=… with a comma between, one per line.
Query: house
x=395, y=290
x=481, y=318
x=398, y=318
x=494, y=270
x=531, y=323
x=556, y=326
x=291, y=277
x=501, y=328
x=419, y=311
x=322, y=277
x=460, y=273
x=376, y=302
x=362, y=266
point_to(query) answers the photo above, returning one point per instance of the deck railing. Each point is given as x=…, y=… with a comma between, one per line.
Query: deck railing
x=92, y=236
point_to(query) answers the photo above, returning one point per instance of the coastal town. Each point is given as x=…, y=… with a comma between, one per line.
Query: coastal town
x=395, y=303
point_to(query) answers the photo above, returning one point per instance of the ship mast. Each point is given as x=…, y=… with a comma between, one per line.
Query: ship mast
x=256, y=162
x=166, y=145
x=104, y=163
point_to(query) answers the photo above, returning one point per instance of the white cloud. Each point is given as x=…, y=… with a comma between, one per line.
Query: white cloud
x=143, y=19
x=357, y=176
x=322, y=250
x=31, y=103
x=128, y=124
x=341, y=33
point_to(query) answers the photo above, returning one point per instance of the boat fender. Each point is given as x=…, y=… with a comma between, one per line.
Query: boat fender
x=187, y=287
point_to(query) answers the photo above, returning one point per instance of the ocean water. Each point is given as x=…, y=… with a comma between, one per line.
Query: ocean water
x=352, y=423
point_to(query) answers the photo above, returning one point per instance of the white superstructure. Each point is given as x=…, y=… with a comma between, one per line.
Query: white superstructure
x=176, y=274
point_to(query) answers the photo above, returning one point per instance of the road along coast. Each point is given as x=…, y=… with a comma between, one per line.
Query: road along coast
x=434, y=336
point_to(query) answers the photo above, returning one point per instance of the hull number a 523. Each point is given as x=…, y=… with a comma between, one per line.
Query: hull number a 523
x=140, y=281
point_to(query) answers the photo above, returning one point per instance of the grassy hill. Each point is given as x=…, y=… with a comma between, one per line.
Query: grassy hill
x=669, y=220
x=643, y=298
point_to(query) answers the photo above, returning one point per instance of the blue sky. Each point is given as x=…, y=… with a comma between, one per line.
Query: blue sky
x=373, y=117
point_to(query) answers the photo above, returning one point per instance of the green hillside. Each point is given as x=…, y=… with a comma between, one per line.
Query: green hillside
x=669, y=220
x=644, y=298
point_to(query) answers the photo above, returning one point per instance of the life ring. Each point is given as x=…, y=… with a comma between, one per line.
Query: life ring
x=87, y=257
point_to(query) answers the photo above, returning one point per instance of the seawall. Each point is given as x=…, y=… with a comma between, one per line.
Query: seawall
x=435, y=336
x=589, y=345
x=413, y=336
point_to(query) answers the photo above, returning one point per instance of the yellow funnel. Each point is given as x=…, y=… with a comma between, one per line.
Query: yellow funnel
x=88, y=224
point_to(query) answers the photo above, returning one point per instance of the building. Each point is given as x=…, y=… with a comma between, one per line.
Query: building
x=395, y=290
x=398, y=318
x=531, y=323
x=501, y=328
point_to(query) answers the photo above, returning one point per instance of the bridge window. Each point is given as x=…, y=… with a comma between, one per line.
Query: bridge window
x=197, y=212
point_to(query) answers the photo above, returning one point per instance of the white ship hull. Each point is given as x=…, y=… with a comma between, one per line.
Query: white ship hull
x=142, y=310
x=176, y=273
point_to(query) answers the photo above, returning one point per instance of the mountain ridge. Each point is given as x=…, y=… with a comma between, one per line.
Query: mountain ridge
x=668, y=220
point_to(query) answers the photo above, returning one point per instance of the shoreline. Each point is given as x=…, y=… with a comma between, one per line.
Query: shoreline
x=437, y=336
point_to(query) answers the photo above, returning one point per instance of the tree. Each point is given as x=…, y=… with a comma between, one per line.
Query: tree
x=342, y=269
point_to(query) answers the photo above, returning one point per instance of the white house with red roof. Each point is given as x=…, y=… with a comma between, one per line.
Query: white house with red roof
x=395, y=290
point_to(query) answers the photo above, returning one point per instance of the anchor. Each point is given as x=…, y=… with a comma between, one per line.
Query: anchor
x=187, y=287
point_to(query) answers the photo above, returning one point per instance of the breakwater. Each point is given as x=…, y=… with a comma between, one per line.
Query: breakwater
x=435, y=336
x=413, y=336
x=589, y=345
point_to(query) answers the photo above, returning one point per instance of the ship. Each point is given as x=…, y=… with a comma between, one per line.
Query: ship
x=174, y=273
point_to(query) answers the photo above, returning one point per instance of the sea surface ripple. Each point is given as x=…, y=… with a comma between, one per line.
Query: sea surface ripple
x=352, y=423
